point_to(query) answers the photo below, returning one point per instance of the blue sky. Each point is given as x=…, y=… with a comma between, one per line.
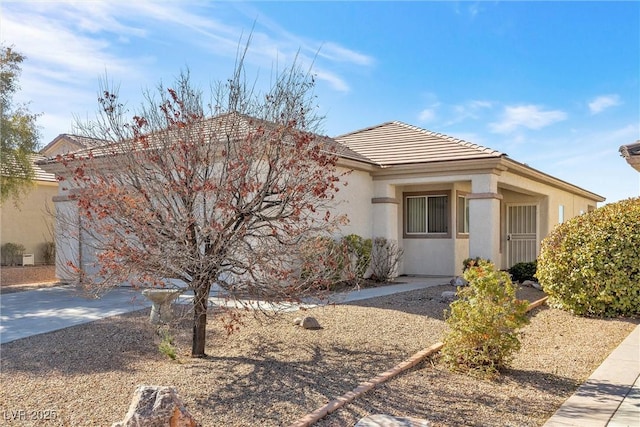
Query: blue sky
x=555, y=85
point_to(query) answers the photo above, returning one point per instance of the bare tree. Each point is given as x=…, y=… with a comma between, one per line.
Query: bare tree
x=219, y=192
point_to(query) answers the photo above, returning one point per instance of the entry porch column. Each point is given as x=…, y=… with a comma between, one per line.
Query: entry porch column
x=385, y=212
x=484, y=218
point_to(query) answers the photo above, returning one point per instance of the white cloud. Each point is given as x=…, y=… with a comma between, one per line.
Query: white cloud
x=70, y=45
x=336, y=52
x=603, y=102
x=333, y=79
x=427, y=115
x=467, y=110
x=527, y=116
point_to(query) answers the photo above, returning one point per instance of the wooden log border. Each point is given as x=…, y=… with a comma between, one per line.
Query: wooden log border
x=364, y=387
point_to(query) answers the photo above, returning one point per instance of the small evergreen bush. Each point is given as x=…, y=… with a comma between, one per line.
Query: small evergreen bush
x=524, y=271
x=590, y=265
x=483, y=323
x=167, y=346
x=359, y=249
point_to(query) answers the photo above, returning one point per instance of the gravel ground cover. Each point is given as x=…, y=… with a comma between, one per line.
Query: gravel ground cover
x=270, y=372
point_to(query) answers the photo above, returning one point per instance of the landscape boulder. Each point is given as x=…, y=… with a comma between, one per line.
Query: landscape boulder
x=458, y=281
x=156, y=406
x=382, y=420
x=448, y=296
x=310, y=323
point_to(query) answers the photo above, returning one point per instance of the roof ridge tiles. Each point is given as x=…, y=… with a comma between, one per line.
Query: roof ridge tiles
x=368, y=128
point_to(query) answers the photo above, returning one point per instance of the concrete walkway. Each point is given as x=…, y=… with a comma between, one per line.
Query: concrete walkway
x=28, y=313
x=609, y=398
x=611, y=395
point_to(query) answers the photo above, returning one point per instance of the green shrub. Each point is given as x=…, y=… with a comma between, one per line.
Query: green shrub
x=360, y=250
x=590, y=265
x=483, y=323
x=10, y=251
x=166, y=345
x=323, y=261
x=524, y=271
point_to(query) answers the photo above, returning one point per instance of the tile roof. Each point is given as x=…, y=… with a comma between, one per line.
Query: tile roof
x=77, y=140
x=395, y=143
x=214, y=128
x=39, y=174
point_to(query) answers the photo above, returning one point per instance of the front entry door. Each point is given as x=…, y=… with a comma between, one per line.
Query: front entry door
x=522, y=233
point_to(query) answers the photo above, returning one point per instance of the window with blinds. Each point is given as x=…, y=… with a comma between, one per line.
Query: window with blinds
x=428, y=214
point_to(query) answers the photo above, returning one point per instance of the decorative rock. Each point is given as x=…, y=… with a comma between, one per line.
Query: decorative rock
x=448, y=296
x=381, y=420
x=156, y=406
x=310, y=323
x=458, y=281
x=297, y=321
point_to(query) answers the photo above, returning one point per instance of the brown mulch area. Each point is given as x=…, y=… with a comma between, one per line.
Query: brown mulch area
x=18, y=279
x=270, y=373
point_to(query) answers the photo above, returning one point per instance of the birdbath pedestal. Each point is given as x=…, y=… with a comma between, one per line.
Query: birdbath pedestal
x=161, y=300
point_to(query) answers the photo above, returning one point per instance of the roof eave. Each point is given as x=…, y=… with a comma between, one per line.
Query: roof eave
x=464, y=166
x=532, y=173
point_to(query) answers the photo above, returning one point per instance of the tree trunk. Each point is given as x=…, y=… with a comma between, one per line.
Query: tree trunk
x=200, y=303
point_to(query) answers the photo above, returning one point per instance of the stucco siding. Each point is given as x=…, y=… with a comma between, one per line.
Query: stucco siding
x=433, y=257
x=354, y=200
x=550, y=198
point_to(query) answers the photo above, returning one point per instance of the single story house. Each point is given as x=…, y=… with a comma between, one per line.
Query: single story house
x=29, y=222
x=444, y=199
x=440, y=198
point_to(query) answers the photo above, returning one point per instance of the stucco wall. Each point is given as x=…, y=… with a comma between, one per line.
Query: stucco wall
x=29, y=224
x=433, y=257
x=354, y=200
x=550, y=198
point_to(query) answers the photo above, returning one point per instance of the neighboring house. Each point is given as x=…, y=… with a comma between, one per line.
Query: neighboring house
x=631, y=153
x=440, y=198
x=67, y=143
x=29, y=221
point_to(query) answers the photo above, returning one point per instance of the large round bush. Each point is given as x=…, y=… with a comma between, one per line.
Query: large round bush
x=590, y=265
